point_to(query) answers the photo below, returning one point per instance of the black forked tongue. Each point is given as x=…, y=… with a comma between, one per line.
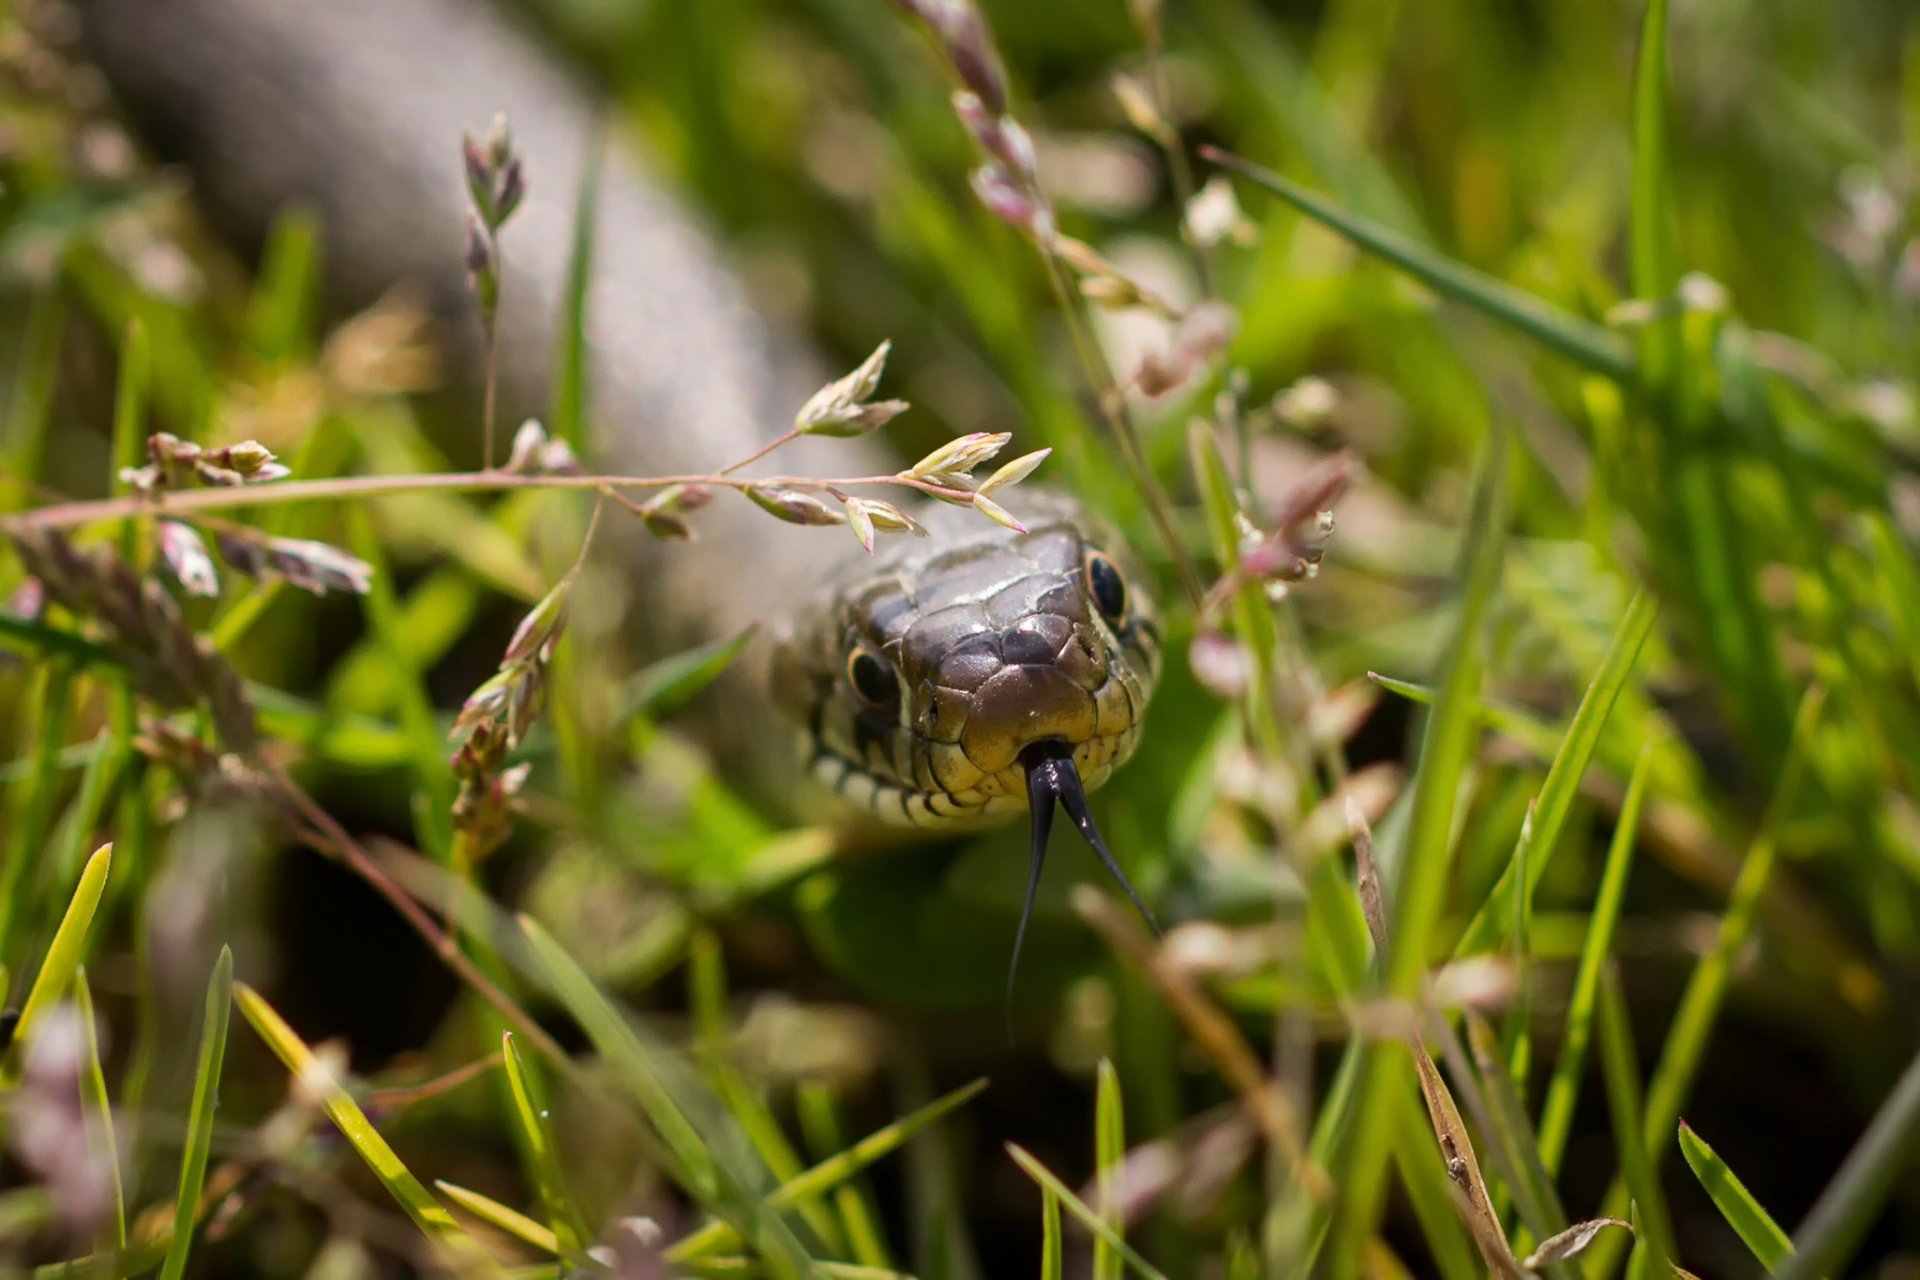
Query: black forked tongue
x=1051, y=777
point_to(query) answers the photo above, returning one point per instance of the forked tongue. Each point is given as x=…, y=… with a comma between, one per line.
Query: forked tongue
x=1051, y=777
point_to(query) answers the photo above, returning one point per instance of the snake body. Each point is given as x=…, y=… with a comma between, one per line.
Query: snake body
x=926, y=676
x=973, y=673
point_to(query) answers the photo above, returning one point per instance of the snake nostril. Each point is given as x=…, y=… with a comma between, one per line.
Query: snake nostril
x=1027, y=648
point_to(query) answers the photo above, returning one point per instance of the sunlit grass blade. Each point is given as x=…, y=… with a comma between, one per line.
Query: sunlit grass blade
x=1563, y=1089
x=1617, y=1059
x=832, y=1172
x=69, y=942
x=1081, y=1210
x=1826, y=1241
x=1562, y=785
x=1109, y=1152
x=1421, y=876
x=199, y=1136
x=314, y=1076
x=715, y=1172
x=1743, y=1213
x=99, y=1108
x=550, y=1182
x=1587, y=344
x=506, y=1218
x=1052, y=1258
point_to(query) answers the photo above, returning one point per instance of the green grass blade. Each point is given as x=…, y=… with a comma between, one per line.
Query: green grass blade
x=717, y=1175
x=1081, y=1210
x=617, y=1043
x=1562, y=785
x=1653, y=256
x=507, y=1219
x=1052, y=1260
x=707, y=1000
x=1109, y=1151
x=832, y=1172
x=1421, y=876
x=313, y=1074
x=93, y=1096
x=1826, y=1241
x=199, y=1137
x=567, y=413
x=1563, y=1089
x=69, y=941
x=1707, y=987
x=1585, y=343
x=549, y=1179
x=1743, y=1213
x=1622, y=1074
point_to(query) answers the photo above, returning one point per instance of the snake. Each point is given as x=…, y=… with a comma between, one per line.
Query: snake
x=947, y=680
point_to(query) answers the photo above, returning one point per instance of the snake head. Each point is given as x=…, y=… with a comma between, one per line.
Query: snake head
x=977, y=672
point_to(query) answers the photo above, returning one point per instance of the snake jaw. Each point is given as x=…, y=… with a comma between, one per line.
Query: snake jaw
x=1053, y=778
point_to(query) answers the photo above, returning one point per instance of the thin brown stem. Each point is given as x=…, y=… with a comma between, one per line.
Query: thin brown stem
x=786, y=438
x=68, y=515
x=326, y=834
x=488, y=395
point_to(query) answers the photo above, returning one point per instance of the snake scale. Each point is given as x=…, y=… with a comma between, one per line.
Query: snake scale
x=974, y=673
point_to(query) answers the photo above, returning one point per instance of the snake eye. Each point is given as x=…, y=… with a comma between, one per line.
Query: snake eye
x=872, y=678
x=1107, y=586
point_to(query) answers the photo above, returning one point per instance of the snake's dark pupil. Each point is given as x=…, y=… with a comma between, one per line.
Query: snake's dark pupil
x=1108, y=587
x=871, y=679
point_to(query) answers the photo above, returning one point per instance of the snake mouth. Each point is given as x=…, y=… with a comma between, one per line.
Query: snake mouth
x=1053, y=778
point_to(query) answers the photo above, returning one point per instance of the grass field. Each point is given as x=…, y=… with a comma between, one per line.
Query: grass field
x=1540, y=840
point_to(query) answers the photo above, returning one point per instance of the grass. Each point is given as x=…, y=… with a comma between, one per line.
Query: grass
x=1553, y=812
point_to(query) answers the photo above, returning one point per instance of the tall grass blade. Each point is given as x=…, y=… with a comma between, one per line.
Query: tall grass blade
x=659, y=1085
x=1563, y=1089
x=543, y=1152
x=1562, y=785
x=199, y=1137
x=830, y=1173
x=93, y=1095
x=1421, y=877
x=1109, y=1152
x=1617, y=1058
